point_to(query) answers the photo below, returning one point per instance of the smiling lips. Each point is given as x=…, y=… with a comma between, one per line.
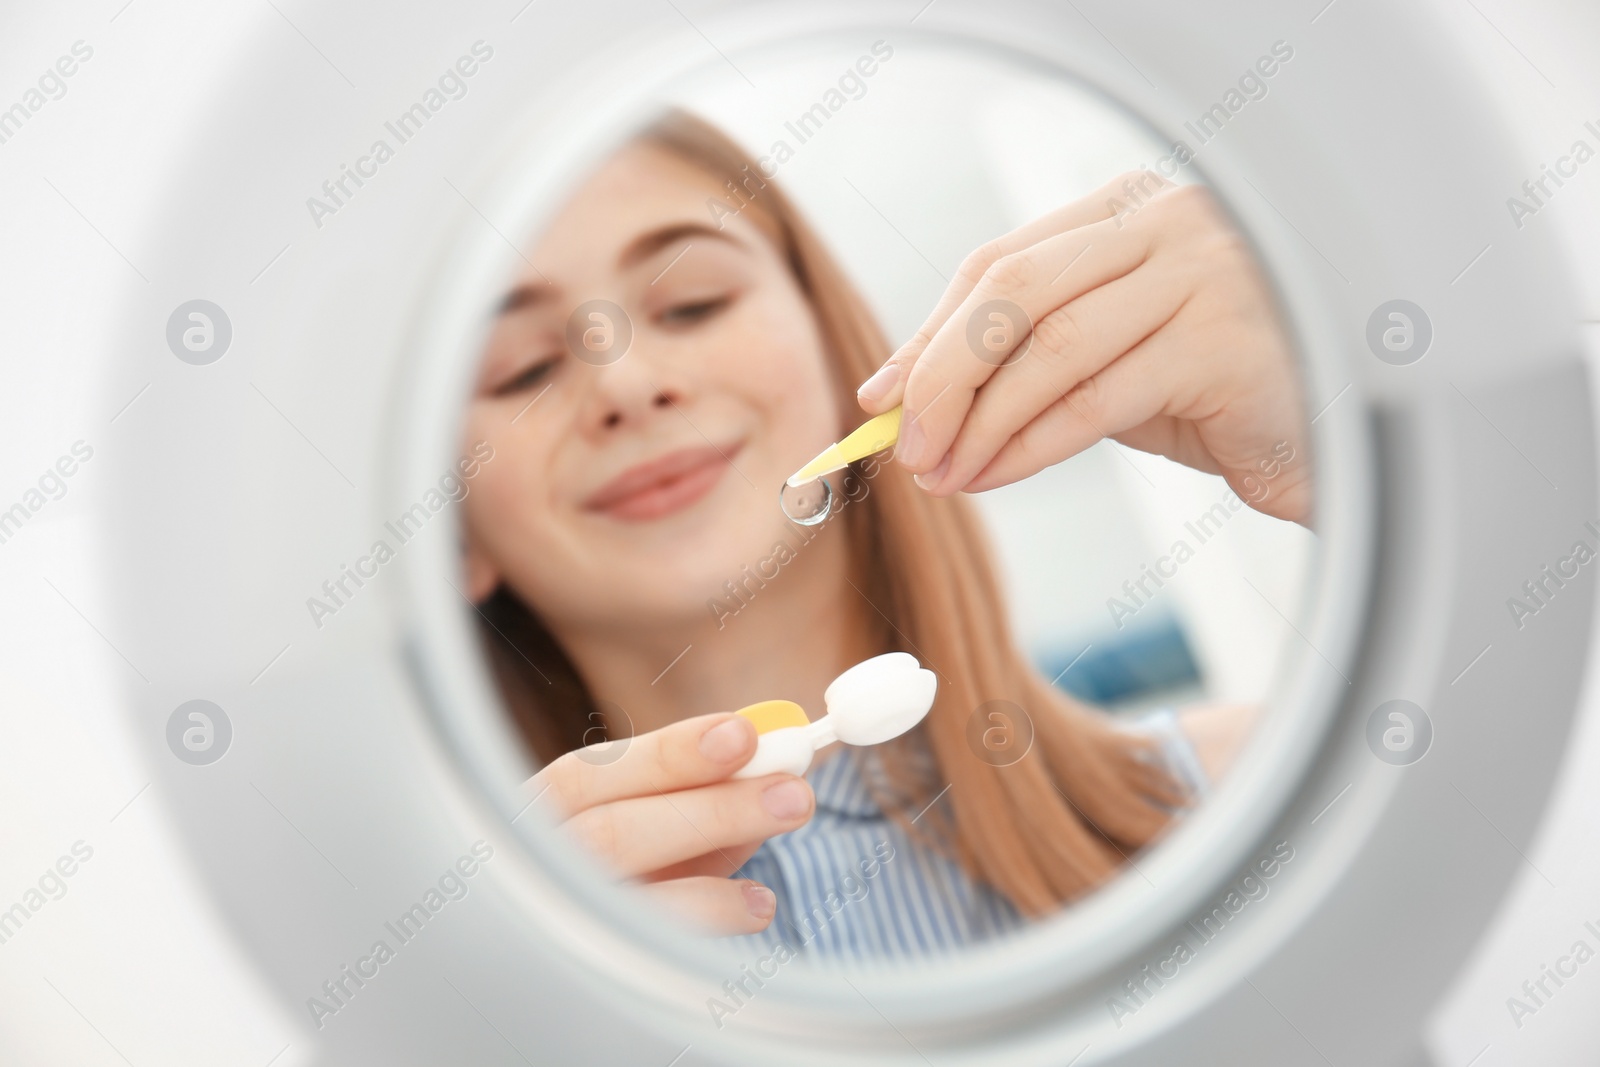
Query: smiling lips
x=662, y=486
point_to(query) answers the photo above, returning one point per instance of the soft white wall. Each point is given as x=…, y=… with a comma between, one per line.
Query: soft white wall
x=132, y=964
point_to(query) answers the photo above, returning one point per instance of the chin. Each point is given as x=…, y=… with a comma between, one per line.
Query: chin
x=661, y=607
x=703, y=567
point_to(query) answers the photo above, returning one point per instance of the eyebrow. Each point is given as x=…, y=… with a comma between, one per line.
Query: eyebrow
x=646, y=245
x=525, y=296
x=639, y=249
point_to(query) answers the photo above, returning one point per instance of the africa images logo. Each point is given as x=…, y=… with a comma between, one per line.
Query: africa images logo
x=1253, y=887
x=451, y=886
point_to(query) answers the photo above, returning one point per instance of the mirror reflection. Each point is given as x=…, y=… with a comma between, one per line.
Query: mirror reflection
x=965, y=678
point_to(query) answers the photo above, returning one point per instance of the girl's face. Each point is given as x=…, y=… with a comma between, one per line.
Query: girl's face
x=627, y=492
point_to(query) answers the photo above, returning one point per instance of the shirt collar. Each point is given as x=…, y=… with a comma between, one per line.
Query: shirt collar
x=843, y=783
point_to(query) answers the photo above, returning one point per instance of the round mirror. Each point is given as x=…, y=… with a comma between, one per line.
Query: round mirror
x=1114, y=583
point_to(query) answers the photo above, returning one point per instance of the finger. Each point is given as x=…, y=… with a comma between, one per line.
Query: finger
x=994, y=326
x=693, y=752
x=1069, y=345
x=718, y=863
x=1102, y=204
x=1199, y=390
x=886, y=388
x=1115, y=400
x=1177, y=439
x=719, y=906
x=640, y=835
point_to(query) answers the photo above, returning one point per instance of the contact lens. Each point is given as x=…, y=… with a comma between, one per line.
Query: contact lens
x=806, y=504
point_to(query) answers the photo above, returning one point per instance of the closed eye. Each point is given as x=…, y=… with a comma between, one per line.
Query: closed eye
x=697, y=311
x=528, y=378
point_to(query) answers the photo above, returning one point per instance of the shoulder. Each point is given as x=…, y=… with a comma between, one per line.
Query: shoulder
x=1197, y=743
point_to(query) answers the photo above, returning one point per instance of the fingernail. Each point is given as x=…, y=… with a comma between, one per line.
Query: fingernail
x=787, y=800
x=725, y=741
x=912, y=441
x=877, y=387
x=760, y=900
x=935, y=476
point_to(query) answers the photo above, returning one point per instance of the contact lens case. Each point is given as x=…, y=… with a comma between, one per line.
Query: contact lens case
x=875, y=701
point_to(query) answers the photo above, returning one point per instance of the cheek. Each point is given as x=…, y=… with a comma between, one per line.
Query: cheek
x=775, y=358
x=513, y=490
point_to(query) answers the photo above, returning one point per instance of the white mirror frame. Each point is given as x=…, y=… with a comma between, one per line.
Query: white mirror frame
x=1048, y=984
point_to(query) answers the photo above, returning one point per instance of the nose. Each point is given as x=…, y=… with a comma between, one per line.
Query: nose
x=630, y=392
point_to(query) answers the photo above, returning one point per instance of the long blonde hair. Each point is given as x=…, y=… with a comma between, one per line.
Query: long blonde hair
x=1040, y=830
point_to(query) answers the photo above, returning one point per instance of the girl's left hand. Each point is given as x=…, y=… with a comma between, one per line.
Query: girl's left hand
x=1144, y=318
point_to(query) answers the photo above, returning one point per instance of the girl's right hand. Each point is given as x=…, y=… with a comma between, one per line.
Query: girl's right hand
x=666, y=814
x=1165, y=338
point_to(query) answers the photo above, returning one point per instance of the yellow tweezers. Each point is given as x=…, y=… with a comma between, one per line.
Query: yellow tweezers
x=874, y=435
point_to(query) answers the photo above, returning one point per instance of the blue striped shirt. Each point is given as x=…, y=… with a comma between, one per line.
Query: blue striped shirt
x=851, y=884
